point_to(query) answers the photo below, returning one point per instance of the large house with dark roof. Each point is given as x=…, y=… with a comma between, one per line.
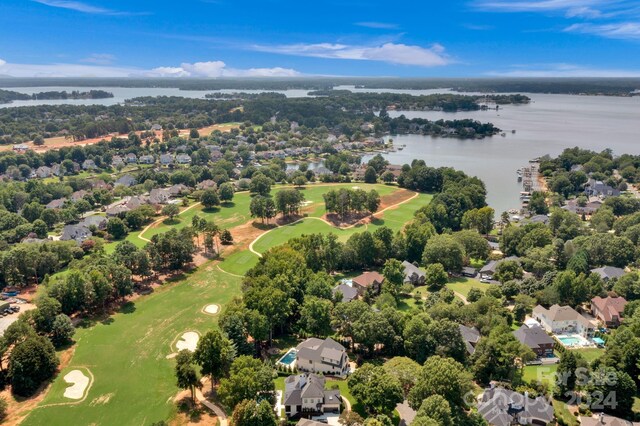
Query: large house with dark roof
x=536, y=339
x=322, y=356
x=470, y=337
x=348, y=292
x=306, y=394
x=503, y=407
x=608, y=272
x=608, y=309
x=413, y=274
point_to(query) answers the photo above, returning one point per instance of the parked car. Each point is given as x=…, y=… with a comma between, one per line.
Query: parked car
x=484, y=281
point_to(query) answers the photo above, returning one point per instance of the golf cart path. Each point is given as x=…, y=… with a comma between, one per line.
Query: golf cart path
x=154, y=223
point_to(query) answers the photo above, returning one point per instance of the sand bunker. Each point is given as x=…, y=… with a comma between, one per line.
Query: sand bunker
x=188, y=341
x=212, y=309
x=79, y=384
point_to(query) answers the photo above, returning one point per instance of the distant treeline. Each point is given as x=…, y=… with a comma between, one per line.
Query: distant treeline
x=340, y=115
x=244, y=95
x=592, y=86
x=7, y=96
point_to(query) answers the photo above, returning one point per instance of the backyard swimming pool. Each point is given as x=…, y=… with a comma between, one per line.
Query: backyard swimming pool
x=569, y=341
x=289, y=358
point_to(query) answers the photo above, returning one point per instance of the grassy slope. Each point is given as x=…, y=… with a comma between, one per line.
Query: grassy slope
x=127, y=354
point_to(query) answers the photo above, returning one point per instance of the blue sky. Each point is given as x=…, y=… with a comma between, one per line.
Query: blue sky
x=229, y=38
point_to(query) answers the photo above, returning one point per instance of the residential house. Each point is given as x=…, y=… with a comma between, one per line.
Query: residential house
x=88, y=164
x=78, y=233
x=488, y=270
x=596, y=188
x=206, y=184
x=305, y=394
x=322, y=356
x=601, y=419
x=147, y=159
x=166, y=159
x=131, y=158
x=307, y=422
x=178, y=189
x=100, y=222
x=159, y=196
x=536, y=339
x=413, y=274
x=322, y=171
x=470, y=336
x=563, y=320
x=608, y=272
x=347, y=291
x=56, y=170
x=608, y=310
x=56, y=204
x=468, y=271
x=43, y=172
x=126, y=180
x=156, y=128
x=183, y=159
x=216, y=156
x=20, y=148
x=78, y=195
x=539, y=218
x=503, y=407
x=117, y=161
x=117, y=210
x=368, y=280
x=592, y=206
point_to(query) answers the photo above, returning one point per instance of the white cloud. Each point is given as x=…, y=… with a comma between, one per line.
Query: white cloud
x=621, y=30
x=378, y=25
x=99, y=59
x=393, y=53
x=539, y=5
x=563, y=70
x=76, y=5
x=199, y=69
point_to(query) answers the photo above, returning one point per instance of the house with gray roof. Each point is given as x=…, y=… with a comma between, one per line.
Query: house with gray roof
x=147, y=159
x=131, y=158
x=88, y=164
x=306, y=394
x=470, y=337
x=78, y=233
x=563, y=320
x=413, y=274
x=322, y=356
x=608, y=272
x=597, y=188
x=308, y=422
x=503, y=407
x=490, y=268
x=56, y=204
x=166, y=159
x=183, y=159
x=126, y=180
x=43, y=172
x=536, y=339
x=100, y=222
x=117, y=161
x=348, y=292
x=601, y=419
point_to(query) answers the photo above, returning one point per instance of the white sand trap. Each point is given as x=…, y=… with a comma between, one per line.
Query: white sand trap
x=355, y=187
x=79, y=384
x=188, y=341
x=212, y=309
x=306, y=203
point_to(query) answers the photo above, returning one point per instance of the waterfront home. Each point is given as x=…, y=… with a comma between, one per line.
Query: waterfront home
x=608, y=272
x=596, y=188
x=413, y=274
x=306, y=394
x=370, y=280
x=592, y=206
x=563, y=320
x=608, y=309
x=536, y=339
x=322, y=356
x=503, y=407
x=470, y=336
x=322, y=171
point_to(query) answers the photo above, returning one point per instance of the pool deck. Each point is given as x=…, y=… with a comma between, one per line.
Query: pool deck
x=582, y=342
x=288, y=353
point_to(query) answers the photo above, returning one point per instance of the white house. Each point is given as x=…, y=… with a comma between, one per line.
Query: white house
x=322, y=356
x=305, y=394
x=563, y=320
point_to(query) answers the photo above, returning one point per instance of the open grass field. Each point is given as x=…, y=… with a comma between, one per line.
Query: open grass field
x=462, y=285
x=126, y=354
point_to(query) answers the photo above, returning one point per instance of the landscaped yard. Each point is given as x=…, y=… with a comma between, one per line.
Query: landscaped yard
x=462, y=285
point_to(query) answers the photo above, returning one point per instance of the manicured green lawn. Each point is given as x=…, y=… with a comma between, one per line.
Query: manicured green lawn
x=462, y=285
x=542, y=373
x=589, y=354
x=134, y=382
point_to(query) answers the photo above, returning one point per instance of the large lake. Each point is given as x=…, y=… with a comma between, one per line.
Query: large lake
x=547, y=125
